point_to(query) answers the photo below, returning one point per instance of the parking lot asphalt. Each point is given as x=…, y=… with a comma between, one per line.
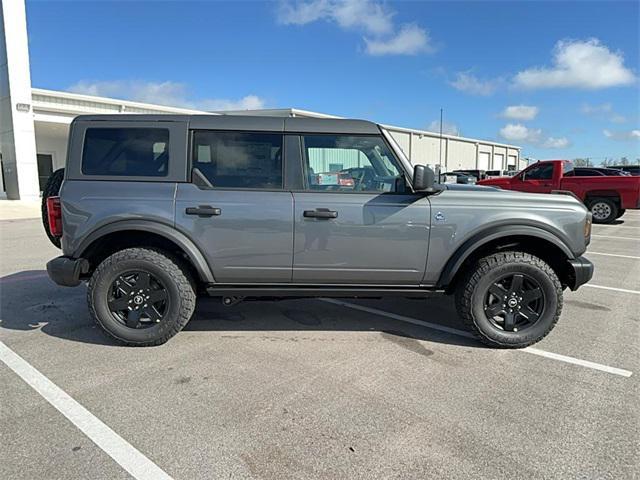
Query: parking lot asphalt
x=320, y=389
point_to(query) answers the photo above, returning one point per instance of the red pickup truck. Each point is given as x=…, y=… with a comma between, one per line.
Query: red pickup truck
x=606, y=197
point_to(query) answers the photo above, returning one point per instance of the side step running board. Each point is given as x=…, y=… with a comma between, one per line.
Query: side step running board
x=288, y=291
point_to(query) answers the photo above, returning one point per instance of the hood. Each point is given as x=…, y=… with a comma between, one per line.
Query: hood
x=496, y=182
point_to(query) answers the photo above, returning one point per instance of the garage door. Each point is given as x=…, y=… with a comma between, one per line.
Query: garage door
x=483, y=160
x=498, y=161
x=511, y=161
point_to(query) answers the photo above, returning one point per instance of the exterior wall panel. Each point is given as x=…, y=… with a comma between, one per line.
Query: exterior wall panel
x=461, y=155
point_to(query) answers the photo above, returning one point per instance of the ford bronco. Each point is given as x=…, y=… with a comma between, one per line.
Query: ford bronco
x=156, y=209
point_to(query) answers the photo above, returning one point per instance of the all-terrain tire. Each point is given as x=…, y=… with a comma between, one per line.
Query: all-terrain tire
x=161, y=266
x=472, y=290
x=51, y=189
x=604, y=210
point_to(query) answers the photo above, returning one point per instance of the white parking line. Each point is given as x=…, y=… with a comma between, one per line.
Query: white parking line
x=125, y=454
x=616, y=237
x=613, y=255
x=462, y=333
x=602, y=287
x=577, y=361
x=402, y=318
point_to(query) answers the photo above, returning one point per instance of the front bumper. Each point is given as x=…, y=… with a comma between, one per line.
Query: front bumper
x=580, y=272
x=66, y=271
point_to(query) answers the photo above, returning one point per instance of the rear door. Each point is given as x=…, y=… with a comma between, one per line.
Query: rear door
x=356, y=220
x=236, y=209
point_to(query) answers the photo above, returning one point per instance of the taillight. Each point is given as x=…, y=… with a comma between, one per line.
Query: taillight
x=54, y=215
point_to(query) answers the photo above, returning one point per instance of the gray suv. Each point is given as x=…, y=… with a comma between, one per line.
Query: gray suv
x=154, y=210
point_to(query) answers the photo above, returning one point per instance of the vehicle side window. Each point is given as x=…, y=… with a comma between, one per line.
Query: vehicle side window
x=540, y=172
x=134, y=152
x=350, y=164
x=248, y=160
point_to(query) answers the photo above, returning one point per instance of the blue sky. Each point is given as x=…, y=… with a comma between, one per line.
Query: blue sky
x=558, y=78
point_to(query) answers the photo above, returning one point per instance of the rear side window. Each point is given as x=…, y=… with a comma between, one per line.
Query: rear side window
x=131, y=152
x=249, y=160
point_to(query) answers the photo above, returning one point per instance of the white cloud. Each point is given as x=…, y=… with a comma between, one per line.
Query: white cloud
x=469, y=83
x=552, y=142
x=533, y=136
x=372, y=17
x=520, y=112
x=410, y=40
x=604, y=111
x=586, y=64
x=447, y=128
x=626, y=135
x=589, y=109
x=173, y=94
x=516, y=132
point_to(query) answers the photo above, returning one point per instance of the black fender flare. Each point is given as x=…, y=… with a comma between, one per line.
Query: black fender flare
x=180, y=239
x=493, y=233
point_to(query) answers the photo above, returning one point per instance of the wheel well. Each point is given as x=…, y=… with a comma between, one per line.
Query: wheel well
x=610, y=194
x=541, y=248
x=113, y=242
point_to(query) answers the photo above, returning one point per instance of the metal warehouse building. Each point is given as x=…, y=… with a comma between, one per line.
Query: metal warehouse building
x=34, y=123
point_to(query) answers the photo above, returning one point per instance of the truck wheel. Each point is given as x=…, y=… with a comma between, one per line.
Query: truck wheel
x=141, y=297
x=620, y=212
x=51, y=189
x=604, y=210
x=510, y=299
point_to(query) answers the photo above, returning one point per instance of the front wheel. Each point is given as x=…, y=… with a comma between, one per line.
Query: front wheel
x=510, y=299
x=141, y=297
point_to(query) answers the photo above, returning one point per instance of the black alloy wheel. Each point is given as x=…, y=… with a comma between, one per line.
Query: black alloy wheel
x=138, y=299
x=514, y=302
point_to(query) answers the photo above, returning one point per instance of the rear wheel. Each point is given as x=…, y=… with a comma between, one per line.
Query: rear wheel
x=51, y=189
x=604, y=210
x=141, y=296
x=510, y=299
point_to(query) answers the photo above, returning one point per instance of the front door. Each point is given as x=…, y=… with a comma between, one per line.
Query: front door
x=356, y=222
x=536, y=179
x=243, y=220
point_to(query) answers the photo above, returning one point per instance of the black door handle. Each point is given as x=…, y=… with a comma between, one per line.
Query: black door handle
x=203, y=211
x=320, y=213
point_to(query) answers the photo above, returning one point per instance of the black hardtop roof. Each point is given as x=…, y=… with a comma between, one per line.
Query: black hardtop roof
x=252, y=123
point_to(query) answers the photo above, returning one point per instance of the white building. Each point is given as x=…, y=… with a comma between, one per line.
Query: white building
x=34, y=123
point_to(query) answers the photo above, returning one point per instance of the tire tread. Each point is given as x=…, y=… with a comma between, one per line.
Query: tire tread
x=166, y=262
x=464, y=294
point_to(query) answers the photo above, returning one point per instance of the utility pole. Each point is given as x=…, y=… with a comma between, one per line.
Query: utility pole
x=440, y=161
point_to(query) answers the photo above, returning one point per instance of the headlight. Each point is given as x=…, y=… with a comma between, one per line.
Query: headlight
x=587, y=227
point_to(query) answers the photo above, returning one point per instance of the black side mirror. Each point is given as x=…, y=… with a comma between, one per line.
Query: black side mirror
x=423, y=179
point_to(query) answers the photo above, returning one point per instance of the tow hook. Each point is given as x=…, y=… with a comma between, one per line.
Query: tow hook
x=231, y=301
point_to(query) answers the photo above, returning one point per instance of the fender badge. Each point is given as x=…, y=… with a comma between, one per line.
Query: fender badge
x=439, y=217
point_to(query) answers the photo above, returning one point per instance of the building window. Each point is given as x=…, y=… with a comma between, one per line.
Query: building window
x=132, y=152
x=239, y=159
